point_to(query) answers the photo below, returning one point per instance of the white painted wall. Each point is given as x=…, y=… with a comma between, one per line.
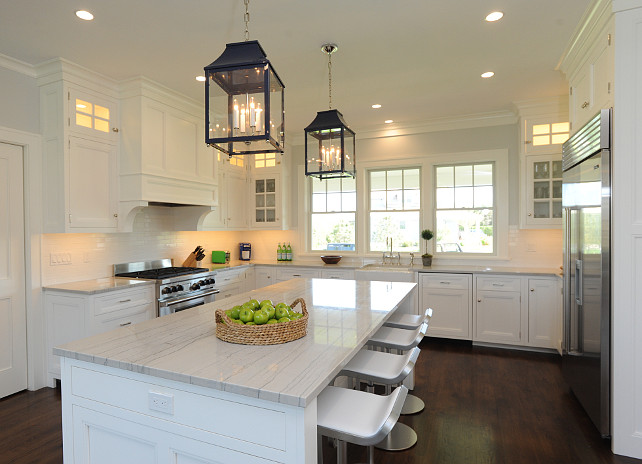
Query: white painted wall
x=20, y=97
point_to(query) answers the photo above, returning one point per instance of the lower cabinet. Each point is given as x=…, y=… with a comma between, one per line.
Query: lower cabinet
x=498, y=314
x=449, y=296
x=544, y=307
x=231, y=282
x=71, y=316
x=265, y=275
x=283, y=274
x=503, y=309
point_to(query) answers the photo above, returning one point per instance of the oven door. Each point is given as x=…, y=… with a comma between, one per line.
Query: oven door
x=175, y=305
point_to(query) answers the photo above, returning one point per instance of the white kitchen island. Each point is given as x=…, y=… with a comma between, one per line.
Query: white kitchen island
x=168, y=391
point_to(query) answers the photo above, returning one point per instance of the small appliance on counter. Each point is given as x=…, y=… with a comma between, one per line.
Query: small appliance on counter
x=220, y=257
x=245, y=251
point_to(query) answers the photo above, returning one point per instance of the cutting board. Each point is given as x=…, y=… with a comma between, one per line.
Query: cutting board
x=218, y=257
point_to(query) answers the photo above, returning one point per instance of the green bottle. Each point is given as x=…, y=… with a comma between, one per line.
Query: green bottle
x=279, y=253
x=288, y=252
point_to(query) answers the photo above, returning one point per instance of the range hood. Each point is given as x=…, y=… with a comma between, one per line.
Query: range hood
x=164, y=162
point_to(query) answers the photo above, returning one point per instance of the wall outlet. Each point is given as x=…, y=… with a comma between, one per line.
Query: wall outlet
x=57, y=259
x=161, y=402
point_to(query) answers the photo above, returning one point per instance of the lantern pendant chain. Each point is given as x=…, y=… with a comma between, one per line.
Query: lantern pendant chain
x=246, y=18
x=330, y=80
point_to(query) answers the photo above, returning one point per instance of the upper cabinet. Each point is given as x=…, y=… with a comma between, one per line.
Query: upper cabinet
x=544, y=128
x=252, y=195
x=589, y=66
x=163, y=157
x=81, y=136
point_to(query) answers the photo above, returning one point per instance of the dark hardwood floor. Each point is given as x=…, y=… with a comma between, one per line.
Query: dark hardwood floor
x=483, y=405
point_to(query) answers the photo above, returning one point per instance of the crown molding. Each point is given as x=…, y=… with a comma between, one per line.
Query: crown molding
x=146, y=87
x=468, y=121
x=623, y=5
x=550, y=106
x=59, y=69
x=18, y=66
x=577, y=51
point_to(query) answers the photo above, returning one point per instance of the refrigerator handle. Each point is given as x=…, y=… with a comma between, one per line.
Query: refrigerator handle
x=578, y=282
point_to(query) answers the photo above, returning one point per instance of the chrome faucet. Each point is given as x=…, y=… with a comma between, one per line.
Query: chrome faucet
x=389, y=255
x=412, y=259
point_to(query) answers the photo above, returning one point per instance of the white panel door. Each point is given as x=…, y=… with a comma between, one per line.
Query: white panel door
x=13, y=326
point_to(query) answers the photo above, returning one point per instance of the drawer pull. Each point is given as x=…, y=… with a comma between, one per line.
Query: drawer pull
x=296, y=275
x=125, y=301
x=125, y=323
x=445, y=282
x=498, y=284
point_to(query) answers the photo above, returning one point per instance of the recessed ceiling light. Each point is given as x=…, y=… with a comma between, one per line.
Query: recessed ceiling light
x=86, y=15
x=200, y=78
x=494, y=16
x=488, y=74
x=388, y=121
x=376, y=105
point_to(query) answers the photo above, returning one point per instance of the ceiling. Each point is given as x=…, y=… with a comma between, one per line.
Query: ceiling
x=419, y=60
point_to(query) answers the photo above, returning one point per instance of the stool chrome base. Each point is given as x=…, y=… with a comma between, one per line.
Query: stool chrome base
x=413, y=405
x=400, y=438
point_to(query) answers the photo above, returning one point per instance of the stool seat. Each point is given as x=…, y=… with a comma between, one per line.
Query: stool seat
x=398, y=339
x=408, y=321
x=358, y=417
x=380, y=367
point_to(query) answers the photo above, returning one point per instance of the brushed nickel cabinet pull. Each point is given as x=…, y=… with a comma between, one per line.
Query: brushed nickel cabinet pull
x=125, y=301
x=125, y=323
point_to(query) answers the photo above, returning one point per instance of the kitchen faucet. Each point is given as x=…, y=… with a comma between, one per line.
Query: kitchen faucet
x=390, y=255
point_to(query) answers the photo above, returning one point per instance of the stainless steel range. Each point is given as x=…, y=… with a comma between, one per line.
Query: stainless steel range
x=177, y=288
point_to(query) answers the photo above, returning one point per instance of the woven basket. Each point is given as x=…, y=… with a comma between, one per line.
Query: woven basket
x=266, y=334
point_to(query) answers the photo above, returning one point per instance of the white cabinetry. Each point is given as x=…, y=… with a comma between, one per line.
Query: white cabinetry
x=163, y=156
x=543, y=190
x=590, y=69
x=283, y=274
x=231, y=282
x=231, y=213
x=80, y=143
x=71, y=316
x=449, y=295
x=544, y=311
x=265, y=275
x=346, y=274
x=498, y=312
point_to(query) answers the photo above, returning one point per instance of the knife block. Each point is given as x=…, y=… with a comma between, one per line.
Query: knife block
x=190, y=261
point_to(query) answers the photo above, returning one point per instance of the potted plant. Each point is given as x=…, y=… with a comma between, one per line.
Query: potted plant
x=426, y=258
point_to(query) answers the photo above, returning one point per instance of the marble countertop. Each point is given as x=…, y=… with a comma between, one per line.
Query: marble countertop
x=183, y=346
x=361, y=265
x=106, y=284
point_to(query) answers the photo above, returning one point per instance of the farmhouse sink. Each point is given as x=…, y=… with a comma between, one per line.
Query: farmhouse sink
x=385, y=268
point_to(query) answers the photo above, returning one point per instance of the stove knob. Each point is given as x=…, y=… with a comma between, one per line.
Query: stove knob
x=212, y=281
x=195, y=287
x=174, y=289
x=179, y=288
x=166, y=290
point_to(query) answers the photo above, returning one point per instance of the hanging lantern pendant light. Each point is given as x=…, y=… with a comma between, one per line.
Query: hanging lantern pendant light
x=329, y=142
x=244, y=100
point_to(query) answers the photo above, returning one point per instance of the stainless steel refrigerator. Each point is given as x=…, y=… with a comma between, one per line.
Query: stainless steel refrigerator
x=586, y=201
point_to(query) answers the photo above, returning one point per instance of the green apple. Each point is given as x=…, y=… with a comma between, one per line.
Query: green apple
x=247, y=305
x=234, y=312
x=280, y=305
x=246, y=315
x=296, y=316
x=265, y=302
x=254, y=303
x=270, y=310
x=250, y=323
x=272, y=321
x=260, y=317
x=281, y=311
x=237, y=321
x=284, y=319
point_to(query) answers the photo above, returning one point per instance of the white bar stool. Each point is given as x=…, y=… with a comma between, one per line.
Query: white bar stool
x=413, y=404
x=408, y=321
x=389, y=338
x=357, y=417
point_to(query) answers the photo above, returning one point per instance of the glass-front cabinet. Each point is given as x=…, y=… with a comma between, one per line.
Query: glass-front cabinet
x=543, y=191
x=266, y=192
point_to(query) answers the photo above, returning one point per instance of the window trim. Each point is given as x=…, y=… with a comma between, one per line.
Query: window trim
x=499, y=158
x=367, y=192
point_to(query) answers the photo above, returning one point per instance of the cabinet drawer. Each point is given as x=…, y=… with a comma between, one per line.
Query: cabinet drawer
x=499, y=284
x=294, y=273
x=124, y=300
x=458, y=281
x=134, y=316
x=229, y=276
x=347, y=274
